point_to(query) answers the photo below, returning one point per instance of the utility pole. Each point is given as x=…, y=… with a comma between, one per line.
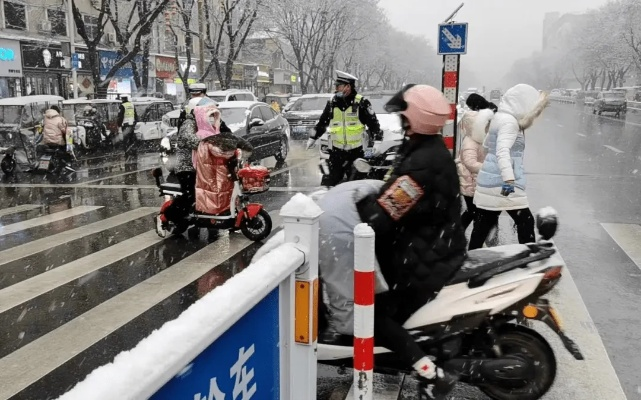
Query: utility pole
x=72, y=41
x=201, y=35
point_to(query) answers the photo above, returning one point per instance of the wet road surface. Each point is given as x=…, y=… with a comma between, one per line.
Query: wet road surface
x=83, y=275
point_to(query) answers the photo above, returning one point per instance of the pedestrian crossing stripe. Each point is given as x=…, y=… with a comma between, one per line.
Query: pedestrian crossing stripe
x=52, y=352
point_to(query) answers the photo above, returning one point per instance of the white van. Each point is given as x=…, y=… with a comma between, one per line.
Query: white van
x=150, y=111
x=231, y=95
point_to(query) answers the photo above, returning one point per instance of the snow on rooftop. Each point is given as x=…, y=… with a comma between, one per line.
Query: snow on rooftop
x=301, y=206
x=177, y=342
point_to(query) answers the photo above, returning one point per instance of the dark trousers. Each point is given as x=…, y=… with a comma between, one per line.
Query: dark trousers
x=129, y=140
x=181, y=205
x=470, y=212
x=485, y=220
x=391, y=310
x=340, y=164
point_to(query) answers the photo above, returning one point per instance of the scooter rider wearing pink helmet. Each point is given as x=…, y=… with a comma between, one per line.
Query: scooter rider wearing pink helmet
x=420, y=241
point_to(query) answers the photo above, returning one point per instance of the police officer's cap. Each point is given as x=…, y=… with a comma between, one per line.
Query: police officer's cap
x=343, y=78
x=197, y=88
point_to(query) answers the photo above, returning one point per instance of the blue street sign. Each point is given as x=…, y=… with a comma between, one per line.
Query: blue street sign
x=242, y=364
x=452, y=38
x=75, y=64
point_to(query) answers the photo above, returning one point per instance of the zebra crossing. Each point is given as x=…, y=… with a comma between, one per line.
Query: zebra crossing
x=80, y=285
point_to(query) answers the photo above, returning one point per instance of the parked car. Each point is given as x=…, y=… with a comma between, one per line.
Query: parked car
x=254, y=121
x=150, y=111
x=305, y=112
x=21, y=122
x=86, y=135
x=220, y=96
x=290, y=103
x=390, y=124
x=282, y=99
x=612, y=101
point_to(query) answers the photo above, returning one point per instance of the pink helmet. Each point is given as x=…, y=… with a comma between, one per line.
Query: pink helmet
x=425, y=108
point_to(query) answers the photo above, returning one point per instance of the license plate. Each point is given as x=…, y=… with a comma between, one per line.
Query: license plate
x=300, y=129
x=44, y=164
x=369, y=153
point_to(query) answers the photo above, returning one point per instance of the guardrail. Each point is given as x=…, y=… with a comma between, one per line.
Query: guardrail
x=632, y=105
x=255, y=335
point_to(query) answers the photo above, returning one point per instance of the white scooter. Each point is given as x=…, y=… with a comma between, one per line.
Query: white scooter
x=478, y=325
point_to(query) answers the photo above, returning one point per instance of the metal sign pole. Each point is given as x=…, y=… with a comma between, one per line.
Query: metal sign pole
x=452, y=43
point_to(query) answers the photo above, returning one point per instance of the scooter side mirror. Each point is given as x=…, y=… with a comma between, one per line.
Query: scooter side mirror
x=547, y=222
x=362, y=165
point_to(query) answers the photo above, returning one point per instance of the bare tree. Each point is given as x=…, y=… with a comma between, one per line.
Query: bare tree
x=183, y=23
x=92, y=35
x=300, y=28
x=233, y=20
x=132, y=23
x=130, y=29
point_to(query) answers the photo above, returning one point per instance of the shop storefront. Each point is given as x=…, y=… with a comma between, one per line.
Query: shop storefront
x=122, y=81
x=194, y=75
x=165, y=79
x=85, y=79
x=237, y=76
x=263, y=80
x=45, y=69
x=10, y=68
x=250, y=74
x=285, y=82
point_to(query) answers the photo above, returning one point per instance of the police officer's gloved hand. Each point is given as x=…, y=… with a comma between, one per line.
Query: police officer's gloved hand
x=311, y=143
x=376, y=149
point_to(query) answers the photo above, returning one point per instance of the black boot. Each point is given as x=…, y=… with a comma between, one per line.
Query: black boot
x=437, y=388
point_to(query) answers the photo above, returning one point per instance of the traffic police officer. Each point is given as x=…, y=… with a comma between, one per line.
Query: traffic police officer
x=127, y=119
x=346, y=115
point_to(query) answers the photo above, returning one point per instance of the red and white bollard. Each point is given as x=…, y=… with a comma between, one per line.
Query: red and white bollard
x=451, y=65
x=364, y=288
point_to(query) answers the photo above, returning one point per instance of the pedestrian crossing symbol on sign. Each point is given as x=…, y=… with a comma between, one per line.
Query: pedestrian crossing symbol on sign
x=452, y=38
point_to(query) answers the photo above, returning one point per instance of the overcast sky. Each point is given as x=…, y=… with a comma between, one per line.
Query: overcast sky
x=501, y=31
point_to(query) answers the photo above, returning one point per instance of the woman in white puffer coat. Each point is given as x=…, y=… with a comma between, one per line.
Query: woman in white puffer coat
x=473, y=126
x=500, y=185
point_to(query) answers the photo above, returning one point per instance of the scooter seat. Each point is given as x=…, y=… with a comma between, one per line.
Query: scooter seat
x=170, y=186
x=484, y=261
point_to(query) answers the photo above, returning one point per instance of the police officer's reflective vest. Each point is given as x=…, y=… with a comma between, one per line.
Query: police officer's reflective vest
x=345, y=128
x=130, y=114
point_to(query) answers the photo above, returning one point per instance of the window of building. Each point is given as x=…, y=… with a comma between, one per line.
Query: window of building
x=15, y=16
x=58, y=21
x=91, y=25
x=171, y=41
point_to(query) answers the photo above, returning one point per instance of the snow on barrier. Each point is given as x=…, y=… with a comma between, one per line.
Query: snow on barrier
x=364, y=287
x=255, y=336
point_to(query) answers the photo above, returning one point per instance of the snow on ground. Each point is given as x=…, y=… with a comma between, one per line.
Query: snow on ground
x=166, y=348
x=301, y=206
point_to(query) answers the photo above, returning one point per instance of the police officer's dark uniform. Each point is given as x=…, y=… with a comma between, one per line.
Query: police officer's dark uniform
x=345, y=118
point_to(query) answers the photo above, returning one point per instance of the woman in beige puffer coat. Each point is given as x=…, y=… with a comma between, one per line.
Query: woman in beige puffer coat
x=473, y=127
x=55, y=128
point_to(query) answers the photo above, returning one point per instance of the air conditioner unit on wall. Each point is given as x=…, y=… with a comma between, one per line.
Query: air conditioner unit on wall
x=44, y=26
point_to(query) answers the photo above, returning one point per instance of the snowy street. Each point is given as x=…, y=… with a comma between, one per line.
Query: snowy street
x=84, y=276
